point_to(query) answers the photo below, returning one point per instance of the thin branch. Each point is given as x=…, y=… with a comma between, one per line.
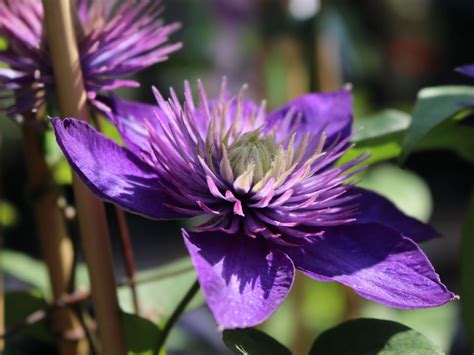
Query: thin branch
x=175, y=316
x=39, y=315
x=157, y=277
x=128, y=257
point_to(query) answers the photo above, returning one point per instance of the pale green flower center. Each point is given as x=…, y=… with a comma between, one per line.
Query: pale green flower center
x=252, y=151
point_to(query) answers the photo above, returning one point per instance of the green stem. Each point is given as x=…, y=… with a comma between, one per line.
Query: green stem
x=175, y=316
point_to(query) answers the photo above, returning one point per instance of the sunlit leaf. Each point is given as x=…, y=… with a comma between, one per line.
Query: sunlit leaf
x=8, y=215
x=405, y=189
x=110, y=130
x=381, y=124
x=251, y=341
x=380, y=135
x=435, y=105
x=467, y=271
x=372, y=336
x=438, y=324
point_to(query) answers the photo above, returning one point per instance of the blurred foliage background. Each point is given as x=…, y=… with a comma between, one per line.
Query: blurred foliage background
x=387, y=50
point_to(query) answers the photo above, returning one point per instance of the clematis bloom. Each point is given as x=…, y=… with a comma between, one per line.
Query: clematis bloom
x=115, y=39
x=274, y=198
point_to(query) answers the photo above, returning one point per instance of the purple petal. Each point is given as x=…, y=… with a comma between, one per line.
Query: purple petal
x=112, y=173
x=466, y=70
x=242, y=280
x=378, y=263
x=375, y=208
x=328, y=112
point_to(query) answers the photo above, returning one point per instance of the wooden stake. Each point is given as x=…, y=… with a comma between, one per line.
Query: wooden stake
x=92, y=219
x=56, y=246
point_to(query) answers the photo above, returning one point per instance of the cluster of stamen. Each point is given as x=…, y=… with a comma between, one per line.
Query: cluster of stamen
x=221, y=159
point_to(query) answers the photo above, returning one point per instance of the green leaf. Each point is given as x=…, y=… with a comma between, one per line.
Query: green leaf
x=435, y=105
x=34, y=272
x=467, y=271
x=21, y=304
x=381, y=123
x=141, y=335
x=372, y=336
x=26, y=269
x=110, y=130
x=408, y=191
x=437, y=323
x=251, y=341
x=161, y=289
x=380, y=135
x=8, y=215
x=450, y=135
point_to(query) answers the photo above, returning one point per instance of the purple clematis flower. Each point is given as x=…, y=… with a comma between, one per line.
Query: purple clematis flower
x=115, y=38
x=274, y=197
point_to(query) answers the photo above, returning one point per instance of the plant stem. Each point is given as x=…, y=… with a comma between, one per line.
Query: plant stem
x=92, y=218
x=175, y=316
x=129, y=259
x=56, y=246
x=62, y=303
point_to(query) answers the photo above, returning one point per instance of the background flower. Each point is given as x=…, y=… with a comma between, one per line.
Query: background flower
x=115, y=38
x=274, y=198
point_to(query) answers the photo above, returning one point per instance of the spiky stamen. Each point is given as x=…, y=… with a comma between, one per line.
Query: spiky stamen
x=242, y=176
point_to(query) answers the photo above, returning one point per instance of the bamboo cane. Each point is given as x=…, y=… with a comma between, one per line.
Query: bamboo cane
x=92, y=219
x=56, y=246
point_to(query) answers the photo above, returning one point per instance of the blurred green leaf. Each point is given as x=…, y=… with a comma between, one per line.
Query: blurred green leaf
x=435, y=105
x=61, y=171
x=251, y=341
x=110, y=130
x=141, y=334
x=467, y=271
x=21, y=304
x=437, y=323
x=282, y=324
x=405, y=189
x=380, y=124
x=380, y=135
x=26, y=269
x=161, y=289
x=372, y=336
x=34, y=272
x=8, y=215
x=3, y=44
x=450, y=135
x=323, y=304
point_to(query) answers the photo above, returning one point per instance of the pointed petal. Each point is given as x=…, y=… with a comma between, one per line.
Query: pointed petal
x=375, y=208
x=112, y=173
x=242, y=280
x=378, y=263
x=328, y=112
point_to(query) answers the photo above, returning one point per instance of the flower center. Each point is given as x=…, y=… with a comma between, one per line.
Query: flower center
x=251, y=150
